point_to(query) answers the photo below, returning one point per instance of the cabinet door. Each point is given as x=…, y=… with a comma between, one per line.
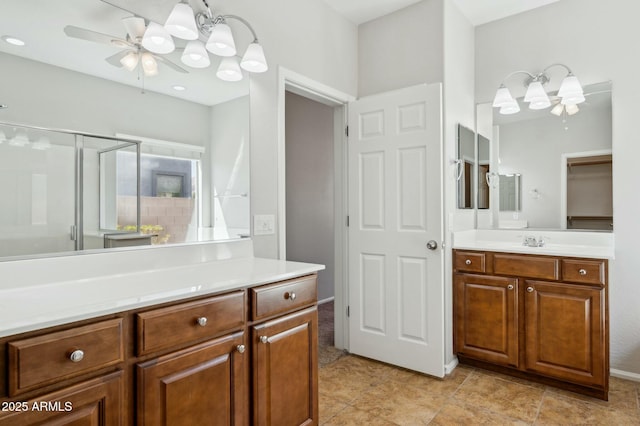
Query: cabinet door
x=97, y=402
x=486, y=318
x=202, y=385
x=565, y=329
x=285, y=361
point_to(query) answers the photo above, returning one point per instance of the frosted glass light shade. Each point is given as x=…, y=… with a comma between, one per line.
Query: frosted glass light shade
x=572, y=109
x=253, y=59
x=156, y=39
x=195, y=55
x=570, y=85
x=510, y=108
x=182, y=23
x=535, y=90
x=540, y=103
x=221, y=41
x=149, y=65
x=557, y=110
x=3, y=137
x=503, y=97
x=229, y=70
x=130, y=61
x=572, y=99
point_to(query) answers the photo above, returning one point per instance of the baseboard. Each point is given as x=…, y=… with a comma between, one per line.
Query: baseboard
x=621, y=374
x=448, y=368
x=327, y=300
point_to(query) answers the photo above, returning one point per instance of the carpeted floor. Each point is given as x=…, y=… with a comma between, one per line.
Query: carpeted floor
x=327, y=353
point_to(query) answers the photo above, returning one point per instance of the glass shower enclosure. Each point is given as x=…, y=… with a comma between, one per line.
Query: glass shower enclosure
x=59, y=191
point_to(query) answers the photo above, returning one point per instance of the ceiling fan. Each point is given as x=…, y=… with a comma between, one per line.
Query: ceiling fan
x=133, y=51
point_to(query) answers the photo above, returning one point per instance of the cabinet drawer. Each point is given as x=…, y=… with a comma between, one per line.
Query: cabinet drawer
x=283, y=297
x=584, y=271
x=189, y=322
x=60, y=355
x=468, y=261
x=526, y=266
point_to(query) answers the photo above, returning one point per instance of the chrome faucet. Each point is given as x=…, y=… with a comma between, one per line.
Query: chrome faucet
x=530, y=241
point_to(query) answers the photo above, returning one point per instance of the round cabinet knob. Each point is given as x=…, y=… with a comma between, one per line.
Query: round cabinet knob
x=510, y=286
x=264, y=339
x=76, y=356
x=530, y=289
x=202, y=321
x=467, y=262
x=582, y=272
x=291, y=296
x=240, y=348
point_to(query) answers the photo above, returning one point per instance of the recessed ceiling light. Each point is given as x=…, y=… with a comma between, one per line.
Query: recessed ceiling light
x=12, y=40
x=179, y=88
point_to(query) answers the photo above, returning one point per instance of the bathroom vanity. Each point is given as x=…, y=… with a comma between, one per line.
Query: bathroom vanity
x=232, y=339
x=535, y=312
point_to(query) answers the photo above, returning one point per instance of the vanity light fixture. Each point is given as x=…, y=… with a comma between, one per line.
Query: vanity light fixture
x=186, y=24
x=570, y=92
x=178, y=88
x=20, y=139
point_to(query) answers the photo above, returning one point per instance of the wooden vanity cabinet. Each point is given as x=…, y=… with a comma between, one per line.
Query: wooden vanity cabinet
x=540, y=317
x=285, y=353
x=246, y=356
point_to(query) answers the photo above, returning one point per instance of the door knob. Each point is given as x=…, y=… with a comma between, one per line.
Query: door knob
x=432, y=245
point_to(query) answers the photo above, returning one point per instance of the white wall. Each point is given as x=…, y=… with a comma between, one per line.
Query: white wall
x=310, y=183
x=401, y=49
x=593, y=38
x=311, y=39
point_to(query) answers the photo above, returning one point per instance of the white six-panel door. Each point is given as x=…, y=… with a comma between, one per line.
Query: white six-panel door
x=396, y=297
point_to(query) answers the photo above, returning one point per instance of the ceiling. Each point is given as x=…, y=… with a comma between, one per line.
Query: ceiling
x=477, y=11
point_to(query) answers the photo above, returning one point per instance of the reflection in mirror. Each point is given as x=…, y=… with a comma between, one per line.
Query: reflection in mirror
x=509, y=190
x=466, y=167
x=484, y=169
x=195, y=142
x=539, y=144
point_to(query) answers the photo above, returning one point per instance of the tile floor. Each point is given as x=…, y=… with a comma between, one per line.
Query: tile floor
x=359, y=391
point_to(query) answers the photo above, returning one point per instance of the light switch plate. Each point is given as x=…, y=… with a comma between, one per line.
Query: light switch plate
x=264, y=224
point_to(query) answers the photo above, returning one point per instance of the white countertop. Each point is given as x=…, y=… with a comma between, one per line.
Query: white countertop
x=39, y=305
x=598, y=245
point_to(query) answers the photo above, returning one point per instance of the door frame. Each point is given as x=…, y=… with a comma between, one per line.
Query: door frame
x=564, y=159
x=290, y=81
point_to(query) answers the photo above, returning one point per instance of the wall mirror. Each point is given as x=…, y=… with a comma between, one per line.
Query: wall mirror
x=193, y=129
x=549, y=169
x=472, y=167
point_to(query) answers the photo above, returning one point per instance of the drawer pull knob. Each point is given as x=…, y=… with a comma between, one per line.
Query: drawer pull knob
x=291, y=296
x=76, y=356
x=530, y=289
x=510, y=286
x=264, y=339
x=240, y=348
x=582, y=272
x=467, y=262
x=202, y=321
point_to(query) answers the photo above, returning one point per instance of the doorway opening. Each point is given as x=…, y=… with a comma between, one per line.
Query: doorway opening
x=312, y=186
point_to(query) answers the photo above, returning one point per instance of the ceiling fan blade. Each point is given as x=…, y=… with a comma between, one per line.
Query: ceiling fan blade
x=115, y=59
x=170, y=64
x=84, y=34
x=135, y=27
